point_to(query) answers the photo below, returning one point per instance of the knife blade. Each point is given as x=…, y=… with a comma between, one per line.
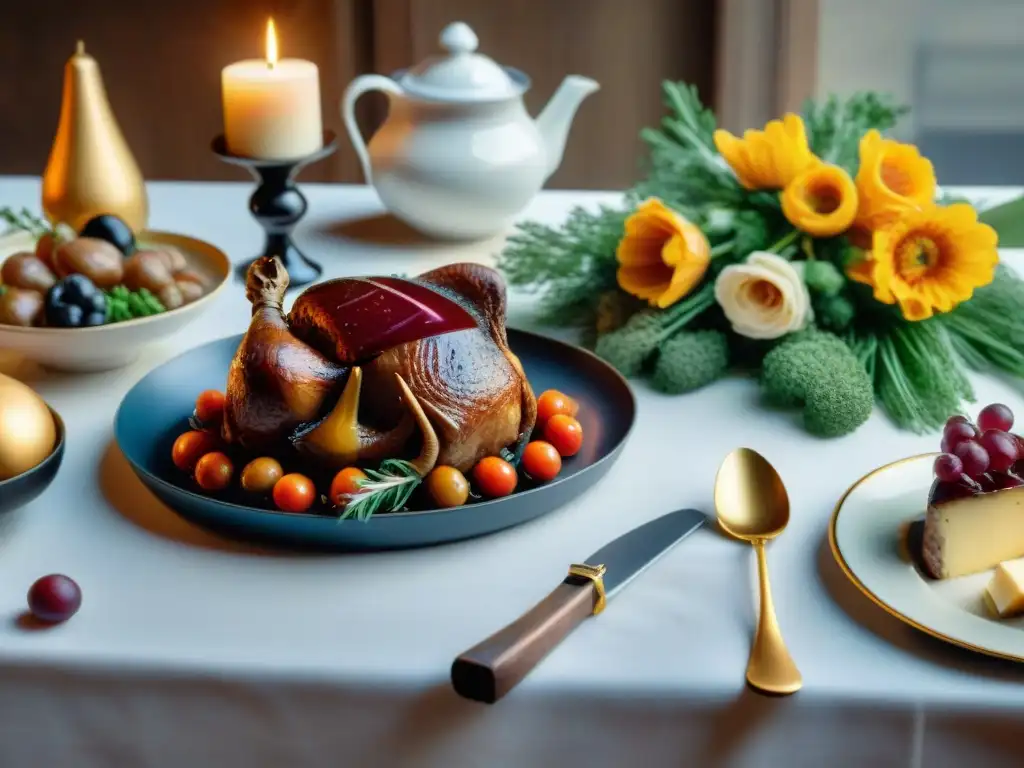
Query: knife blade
x=489, y=670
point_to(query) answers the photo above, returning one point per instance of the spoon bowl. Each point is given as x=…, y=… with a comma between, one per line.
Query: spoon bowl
x=750, y=499
x=752, y=505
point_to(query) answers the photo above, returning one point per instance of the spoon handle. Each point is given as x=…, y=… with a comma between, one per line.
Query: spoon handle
x=770, y=667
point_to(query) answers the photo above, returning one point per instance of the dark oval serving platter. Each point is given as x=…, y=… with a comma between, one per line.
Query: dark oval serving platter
x=156, y=411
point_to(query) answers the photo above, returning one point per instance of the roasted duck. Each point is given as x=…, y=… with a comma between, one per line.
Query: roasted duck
x=365, y=369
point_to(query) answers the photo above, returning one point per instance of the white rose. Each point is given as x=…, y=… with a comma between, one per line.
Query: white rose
x=763, y=298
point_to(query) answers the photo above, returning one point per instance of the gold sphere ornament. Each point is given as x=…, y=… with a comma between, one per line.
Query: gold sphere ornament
x=27, y=429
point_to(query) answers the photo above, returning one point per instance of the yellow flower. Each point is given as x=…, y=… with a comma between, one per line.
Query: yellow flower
x=771, y=158
x=892, y=177
x=929, y=260
x=662, y=255
x=821, y=201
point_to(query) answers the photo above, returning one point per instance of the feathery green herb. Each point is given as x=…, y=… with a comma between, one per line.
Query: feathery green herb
x=24, y=220
x=387, y=489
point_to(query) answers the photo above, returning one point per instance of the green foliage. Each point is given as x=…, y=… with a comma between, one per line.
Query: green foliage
x=835, y=127
x=387, y=489
x=123, y=304
x=571, y=265
x=24, y=220
x=1008, y=222
x=818, y=372
x=750, y=233
x=685, y=170
x=629, y=348
x=690, y=360
x=823, y=277
x=834, y=313
x=987, y=332
x=918, y=375
x=916, y=370
x=614, y=308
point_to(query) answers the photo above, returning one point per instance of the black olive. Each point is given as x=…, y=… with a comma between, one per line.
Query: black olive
x=109, y=227
x=75, y=302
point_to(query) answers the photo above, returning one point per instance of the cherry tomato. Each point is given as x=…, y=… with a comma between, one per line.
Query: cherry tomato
x=541, y=461
x=447, y=486
x=192, y=446
x=260, y=475
x=552, y=402
x=494, y=477
x=210, y=406
x=294, y=493
x=565, y=433
x=346, y=483
x=214, y=471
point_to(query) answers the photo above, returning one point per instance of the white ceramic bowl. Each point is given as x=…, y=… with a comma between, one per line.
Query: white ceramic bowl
x=105, y=347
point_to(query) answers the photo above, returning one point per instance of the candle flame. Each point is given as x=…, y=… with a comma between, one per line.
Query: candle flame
x=271, y=44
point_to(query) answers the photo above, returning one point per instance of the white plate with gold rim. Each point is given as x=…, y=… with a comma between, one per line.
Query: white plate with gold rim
x=865, y=535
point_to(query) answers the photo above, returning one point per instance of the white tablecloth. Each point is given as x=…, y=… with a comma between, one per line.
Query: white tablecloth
x=193, y=651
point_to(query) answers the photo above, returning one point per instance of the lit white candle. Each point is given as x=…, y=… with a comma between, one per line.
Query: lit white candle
x=271, y=106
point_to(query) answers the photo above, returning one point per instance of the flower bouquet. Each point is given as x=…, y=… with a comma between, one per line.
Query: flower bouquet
x=816, y=253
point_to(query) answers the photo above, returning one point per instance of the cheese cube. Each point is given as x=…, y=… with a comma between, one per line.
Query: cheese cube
x=1005, y=591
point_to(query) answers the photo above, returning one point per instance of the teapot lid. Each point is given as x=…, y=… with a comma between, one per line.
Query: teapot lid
x=462, y=75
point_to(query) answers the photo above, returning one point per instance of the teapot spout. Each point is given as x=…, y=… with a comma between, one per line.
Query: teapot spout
x=555, y=119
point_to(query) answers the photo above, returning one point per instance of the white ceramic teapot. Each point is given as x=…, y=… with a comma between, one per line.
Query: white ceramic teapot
x=458, y=157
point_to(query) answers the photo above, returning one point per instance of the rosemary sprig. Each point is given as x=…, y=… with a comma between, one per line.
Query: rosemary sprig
x=24, y=220
x=387, y=490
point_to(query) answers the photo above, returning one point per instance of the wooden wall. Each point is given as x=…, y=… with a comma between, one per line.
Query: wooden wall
x=161, y=63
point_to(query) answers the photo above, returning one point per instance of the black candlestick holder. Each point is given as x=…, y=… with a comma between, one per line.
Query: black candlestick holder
x=278, y=205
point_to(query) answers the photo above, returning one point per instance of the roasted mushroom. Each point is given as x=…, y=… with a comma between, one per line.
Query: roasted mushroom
x=21, y=306
x=147, y=269
x=96, y=259
x=26, y=270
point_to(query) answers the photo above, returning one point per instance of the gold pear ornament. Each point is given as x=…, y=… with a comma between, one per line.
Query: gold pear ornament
x=91, y=170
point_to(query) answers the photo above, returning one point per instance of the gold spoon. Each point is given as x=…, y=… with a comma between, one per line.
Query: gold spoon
x=752, y=505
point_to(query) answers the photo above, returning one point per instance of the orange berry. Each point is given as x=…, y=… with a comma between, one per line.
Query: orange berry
x=190, y=447
x=346, y=483
x=495, y=477
x=541, y=461
x=260, y=475
x=447, y=486
x=552, y=402
x=214, y=471
x=210, y=406
x=565, y=433
x=294, y=493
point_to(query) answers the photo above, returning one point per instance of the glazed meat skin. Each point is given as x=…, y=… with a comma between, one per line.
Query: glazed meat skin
x=347, y=377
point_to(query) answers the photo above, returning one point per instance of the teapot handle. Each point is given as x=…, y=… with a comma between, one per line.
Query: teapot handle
x=357, y=88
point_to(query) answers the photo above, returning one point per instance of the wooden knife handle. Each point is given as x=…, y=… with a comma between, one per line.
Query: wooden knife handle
x=491, y=669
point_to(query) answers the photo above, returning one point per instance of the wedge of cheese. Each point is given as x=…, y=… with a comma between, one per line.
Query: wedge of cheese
x=1005, y=592
x=969, y=532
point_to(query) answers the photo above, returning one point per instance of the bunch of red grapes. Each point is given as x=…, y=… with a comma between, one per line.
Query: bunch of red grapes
x=971, y=451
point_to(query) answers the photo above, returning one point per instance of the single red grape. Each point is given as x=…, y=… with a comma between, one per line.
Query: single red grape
x=54, y=598
x=948, y=468
x=975, y=458
x=1001, y=449
x=955, y=433
x=995, y=416
x=957, y=419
